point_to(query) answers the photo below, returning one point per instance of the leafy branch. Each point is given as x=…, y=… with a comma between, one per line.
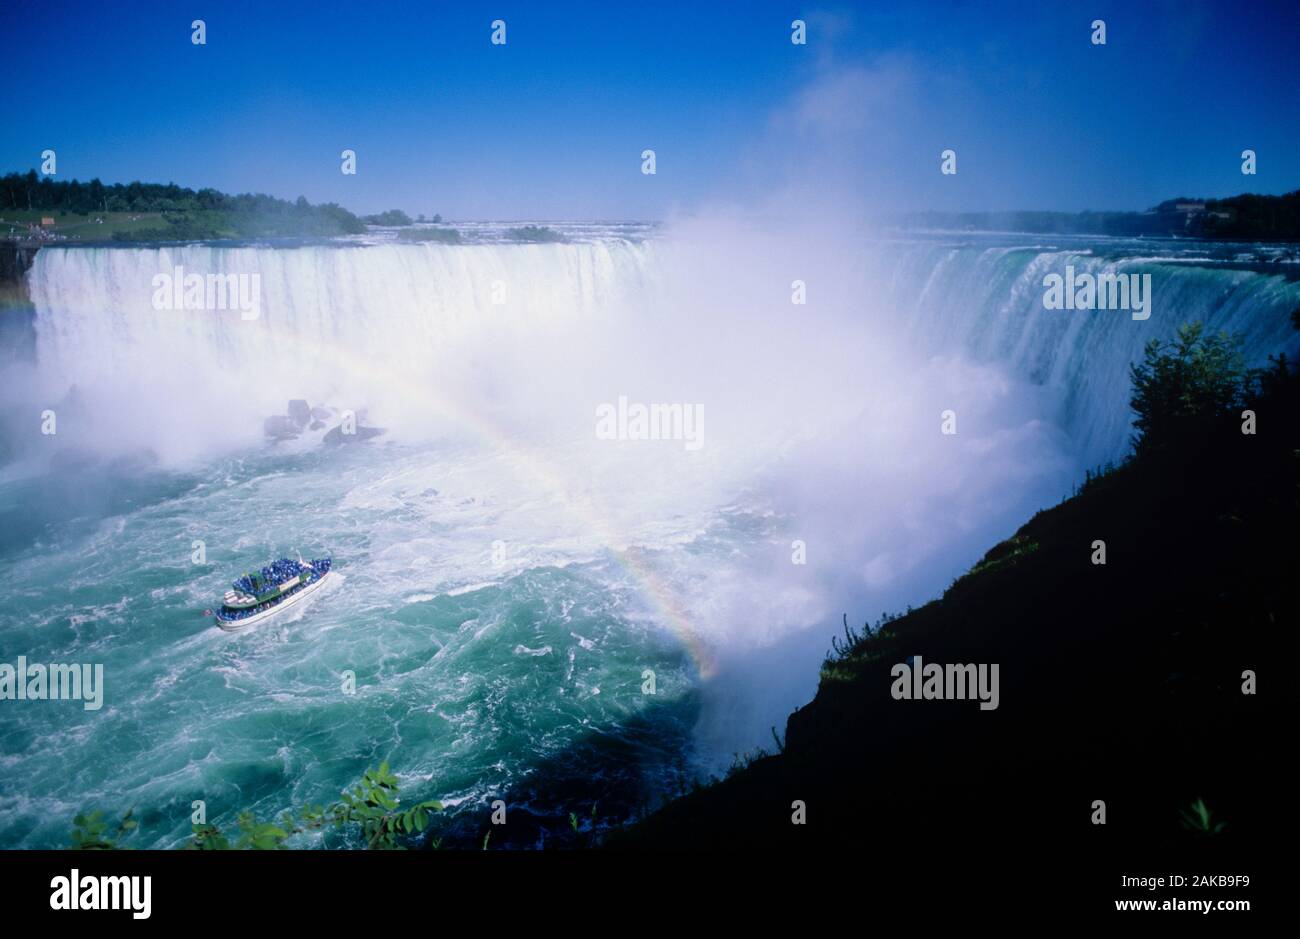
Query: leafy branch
x=90, y=831
x=372, y=804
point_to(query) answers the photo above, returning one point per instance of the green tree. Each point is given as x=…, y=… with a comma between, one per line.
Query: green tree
x=1182, y=388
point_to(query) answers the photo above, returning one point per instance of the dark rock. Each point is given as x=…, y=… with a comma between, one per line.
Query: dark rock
x=15, y=259
x=319, y=413
x=300, y=412
x=280, y=427
x=336, y=436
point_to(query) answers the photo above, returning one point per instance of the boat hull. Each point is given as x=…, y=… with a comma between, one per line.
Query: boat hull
x=239, y=625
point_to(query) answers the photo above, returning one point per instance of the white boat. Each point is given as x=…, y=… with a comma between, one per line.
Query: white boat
x=256, y=598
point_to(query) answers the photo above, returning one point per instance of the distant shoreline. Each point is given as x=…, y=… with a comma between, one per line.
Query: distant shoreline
x=40, y=209
x=1244, y=218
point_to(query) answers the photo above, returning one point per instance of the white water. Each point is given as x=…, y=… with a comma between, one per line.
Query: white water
x=821, y=424
x=984, y=296
x=397, y=328
x=479, y=337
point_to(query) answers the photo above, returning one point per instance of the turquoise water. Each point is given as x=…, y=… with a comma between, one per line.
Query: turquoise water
x=504, y=580
x=464, y=688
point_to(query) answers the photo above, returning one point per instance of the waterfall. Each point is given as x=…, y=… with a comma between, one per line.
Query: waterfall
x=503, y=591
x=354, y=325
x=366, y=324
x=988, y=303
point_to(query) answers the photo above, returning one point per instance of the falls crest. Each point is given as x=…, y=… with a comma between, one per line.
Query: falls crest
x=346, y=322
x=988, y=303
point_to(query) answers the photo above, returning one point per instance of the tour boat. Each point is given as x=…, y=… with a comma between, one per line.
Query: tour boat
x=258, y=596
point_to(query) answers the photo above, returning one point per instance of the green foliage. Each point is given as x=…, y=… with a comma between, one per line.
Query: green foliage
x=852, y=638
x=259, y=836
x=1253, y=217
x=535, y=234
x=1198, y=818
x=1004, y=554
x=581, y=839
x=189, y=215
x=447, y=236
x=869, y=642
x=207, y=838
x=391, y=217
x=1182, y=387
x=90, y=831
x=372, y=805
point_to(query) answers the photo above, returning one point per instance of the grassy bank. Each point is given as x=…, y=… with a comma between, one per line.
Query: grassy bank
x=79, y=228
x=93, y=212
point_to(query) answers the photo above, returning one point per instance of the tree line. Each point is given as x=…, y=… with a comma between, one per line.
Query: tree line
x=188, y=212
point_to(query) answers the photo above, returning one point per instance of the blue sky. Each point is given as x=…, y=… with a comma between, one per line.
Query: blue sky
x=552, y=125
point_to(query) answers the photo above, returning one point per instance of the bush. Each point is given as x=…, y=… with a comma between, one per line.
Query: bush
x=446, y=236
x=1182, y=388
x=536, y=234
x=391, y=217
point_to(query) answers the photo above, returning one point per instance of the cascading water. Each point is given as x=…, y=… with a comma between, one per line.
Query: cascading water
x=362, y=325
x=507, y=580
x=987, y=299
x=341, y=320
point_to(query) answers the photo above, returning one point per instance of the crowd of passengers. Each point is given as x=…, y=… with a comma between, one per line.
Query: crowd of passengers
x=245, y=584
x=277, y=573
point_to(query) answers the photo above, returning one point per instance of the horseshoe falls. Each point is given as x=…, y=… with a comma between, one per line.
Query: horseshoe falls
x=525, y=608
x=986, y=299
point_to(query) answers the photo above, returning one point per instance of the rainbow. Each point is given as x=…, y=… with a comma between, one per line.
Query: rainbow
x=662, y=600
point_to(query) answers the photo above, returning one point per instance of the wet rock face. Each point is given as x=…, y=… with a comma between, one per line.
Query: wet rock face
x=280, y=427
x=303, y=417
x=299, y=412
x=15, y=260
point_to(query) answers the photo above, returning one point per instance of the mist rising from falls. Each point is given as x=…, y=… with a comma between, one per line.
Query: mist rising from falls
x=400, y=330
x=487, y=363
x=419, y=333
x=986, y=301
